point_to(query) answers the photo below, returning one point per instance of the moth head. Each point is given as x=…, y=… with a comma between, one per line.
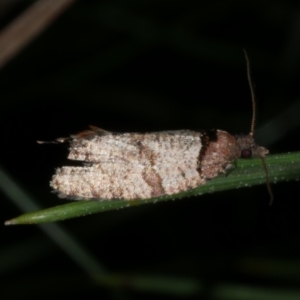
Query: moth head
x=247, y=148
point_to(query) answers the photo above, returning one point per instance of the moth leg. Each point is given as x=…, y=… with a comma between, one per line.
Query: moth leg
x=90, y=133
x=98, y=130
x=229, y=168
x=56, y=141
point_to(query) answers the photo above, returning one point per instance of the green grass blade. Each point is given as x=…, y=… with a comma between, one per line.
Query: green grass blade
x=282, y=167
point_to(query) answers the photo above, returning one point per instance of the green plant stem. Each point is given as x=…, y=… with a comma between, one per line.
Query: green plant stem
x=250, y=172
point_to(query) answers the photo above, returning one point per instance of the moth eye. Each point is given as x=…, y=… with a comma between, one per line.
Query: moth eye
x=246, y=153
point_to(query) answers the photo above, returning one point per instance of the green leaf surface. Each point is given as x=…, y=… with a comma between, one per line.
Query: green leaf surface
x=282, y=167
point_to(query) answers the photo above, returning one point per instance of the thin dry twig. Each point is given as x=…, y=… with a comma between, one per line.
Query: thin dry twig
x=28, y=25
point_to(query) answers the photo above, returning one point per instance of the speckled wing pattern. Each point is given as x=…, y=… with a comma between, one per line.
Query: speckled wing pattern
x=131, y=165
x=142, y=166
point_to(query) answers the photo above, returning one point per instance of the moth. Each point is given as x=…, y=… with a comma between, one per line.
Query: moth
x=141, y=166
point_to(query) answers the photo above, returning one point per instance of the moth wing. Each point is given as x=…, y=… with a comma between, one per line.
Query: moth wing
x=132, y=166
x=135, y=148
x=111, y=181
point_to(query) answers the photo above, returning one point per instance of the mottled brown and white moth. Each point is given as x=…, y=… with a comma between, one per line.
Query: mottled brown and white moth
x=141, y=166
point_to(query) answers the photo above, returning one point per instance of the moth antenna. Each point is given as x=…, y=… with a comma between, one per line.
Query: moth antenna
x=252, y=94
x=253, y=125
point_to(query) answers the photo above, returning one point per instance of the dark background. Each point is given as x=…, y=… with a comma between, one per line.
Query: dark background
x=145, y=66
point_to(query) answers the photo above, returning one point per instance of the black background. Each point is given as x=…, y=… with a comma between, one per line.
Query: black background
x=145, y=66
